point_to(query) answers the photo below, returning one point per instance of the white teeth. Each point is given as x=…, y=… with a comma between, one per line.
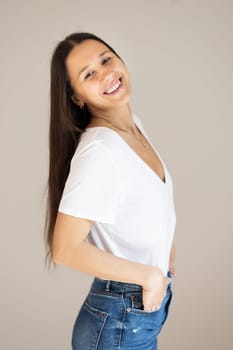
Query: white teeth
x=113, y=88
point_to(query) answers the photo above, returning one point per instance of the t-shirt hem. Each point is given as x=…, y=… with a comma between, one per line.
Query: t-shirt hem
x=83, y=215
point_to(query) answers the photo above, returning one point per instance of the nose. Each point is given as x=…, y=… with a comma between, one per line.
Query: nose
x=107, y=77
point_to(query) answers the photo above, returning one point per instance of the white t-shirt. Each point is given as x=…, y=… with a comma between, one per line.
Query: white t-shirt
x=132, y=208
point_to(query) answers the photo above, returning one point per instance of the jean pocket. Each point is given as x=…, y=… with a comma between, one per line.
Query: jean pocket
x=136, y=304
x=88, y=327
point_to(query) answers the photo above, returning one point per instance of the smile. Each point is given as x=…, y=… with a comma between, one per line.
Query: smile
x=114, y=88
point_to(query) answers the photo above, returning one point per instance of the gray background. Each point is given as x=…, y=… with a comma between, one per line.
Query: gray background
x=179, y=54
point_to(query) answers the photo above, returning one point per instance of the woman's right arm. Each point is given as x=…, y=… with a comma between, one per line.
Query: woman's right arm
x=70, y=249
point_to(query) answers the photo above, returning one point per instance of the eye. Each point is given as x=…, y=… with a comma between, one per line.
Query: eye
x=88, y=75
x=107, y=59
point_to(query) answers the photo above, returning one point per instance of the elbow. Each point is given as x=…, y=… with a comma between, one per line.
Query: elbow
x=58, y=253
x=65, y=254
x=59, y=250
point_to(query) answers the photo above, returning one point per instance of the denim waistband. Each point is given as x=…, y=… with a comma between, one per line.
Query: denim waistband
x=117, y=286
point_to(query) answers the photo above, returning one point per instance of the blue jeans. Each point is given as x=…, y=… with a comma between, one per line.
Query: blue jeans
x=112, y=318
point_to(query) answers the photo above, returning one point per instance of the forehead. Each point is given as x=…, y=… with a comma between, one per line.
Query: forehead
x=84, y=54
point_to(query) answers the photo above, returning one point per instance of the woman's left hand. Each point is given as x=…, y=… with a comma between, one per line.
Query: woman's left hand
x=172, y=261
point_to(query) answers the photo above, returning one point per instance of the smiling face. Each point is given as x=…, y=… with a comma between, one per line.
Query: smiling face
x=98, y=77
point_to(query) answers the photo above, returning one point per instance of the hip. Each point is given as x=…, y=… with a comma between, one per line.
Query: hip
x=112, y=317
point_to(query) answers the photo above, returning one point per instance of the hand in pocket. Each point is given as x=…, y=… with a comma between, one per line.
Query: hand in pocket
x=154, y=293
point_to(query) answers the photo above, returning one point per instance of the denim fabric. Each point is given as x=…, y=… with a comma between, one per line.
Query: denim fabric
x=112, y=318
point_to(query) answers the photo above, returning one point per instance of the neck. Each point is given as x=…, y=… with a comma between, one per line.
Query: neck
x=121, y=116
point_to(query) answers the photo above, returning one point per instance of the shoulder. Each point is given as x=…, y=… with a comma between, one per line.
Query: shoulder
x=92, y=154
x=102, y=142
x=98, y=140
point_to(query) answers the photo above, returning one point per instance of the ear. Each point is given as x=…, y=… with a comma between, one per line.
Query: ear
x=76, y=100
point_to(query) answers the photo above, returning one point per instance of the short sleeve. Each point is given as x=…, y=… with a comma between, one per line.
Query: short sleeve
x=91, y=187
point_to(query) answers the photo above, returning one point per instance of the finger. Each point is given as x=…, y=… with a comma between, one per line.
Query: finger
x=168, y=280
x=173, y=270
x=155, y=308
x=152, y=308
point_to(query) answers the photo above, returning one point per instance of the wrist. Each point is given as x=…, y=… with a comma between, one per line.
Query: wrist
x=151, y=275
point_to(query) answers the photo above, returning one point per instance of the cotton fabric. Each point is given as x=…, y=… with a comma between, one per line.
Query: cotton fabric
x=132, y=208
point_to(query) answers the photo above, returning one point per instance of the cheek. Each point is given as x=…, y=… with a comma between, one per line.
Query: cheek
x=120, y=66
x=124, y=70
x=92, y=90
x=93, y=86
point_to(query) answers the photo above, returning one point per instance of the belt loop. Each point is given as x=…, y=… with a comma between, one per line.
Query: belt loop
x=107, y=287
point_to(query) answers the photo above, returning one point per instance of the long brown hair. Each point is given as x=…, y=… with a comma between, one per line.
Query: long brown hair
x=67, y=122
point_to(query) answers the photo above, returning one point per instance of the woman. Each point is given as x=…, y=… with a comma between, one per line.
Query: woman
x=110, y=199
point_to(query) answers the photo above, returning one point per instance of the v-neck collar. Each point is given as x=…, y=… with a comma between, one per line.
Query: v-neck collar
x=135, y=153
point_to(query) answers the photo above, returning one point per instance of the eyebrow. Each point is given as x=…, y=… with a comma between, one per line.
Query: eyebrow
x=84, y=68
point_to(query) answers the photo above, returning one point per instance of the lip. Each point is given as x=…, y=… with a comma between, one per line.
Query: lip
x=113, y=83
